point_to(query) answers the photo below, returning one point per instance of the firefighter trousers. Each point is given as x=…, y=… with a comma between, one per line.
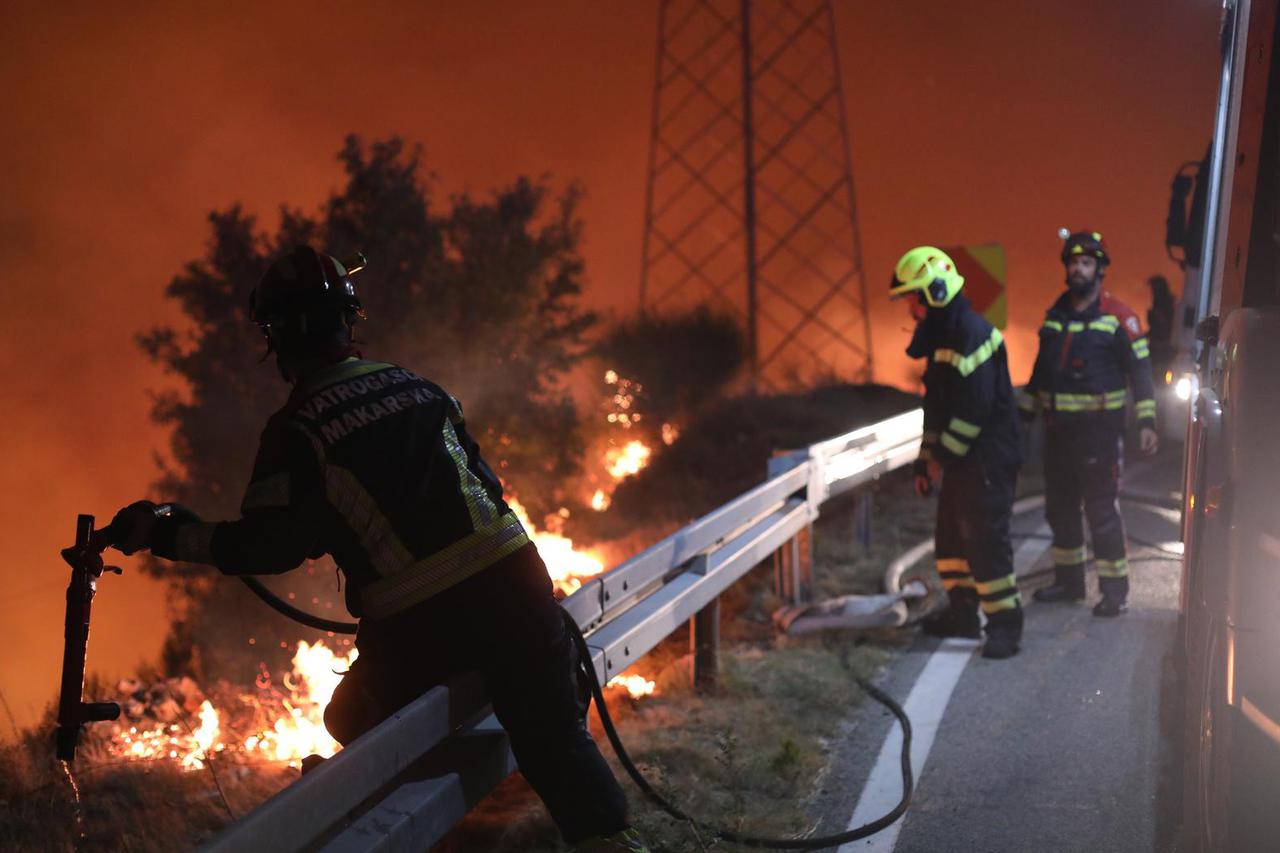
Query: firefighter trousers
x=504, y=623
x=1082, y=466
x=971, y=540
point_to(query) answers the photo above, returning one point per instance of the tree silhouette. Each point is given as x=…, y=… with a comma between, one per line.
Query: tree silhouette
x=481, y=297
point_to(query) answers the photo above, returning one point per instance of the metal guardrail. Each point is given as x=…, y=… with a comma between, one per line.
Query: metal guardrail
x=405, y=783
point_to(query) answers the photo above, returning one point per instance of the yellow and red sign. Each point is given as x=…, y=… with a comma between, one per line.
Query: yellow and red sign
x=982, y=266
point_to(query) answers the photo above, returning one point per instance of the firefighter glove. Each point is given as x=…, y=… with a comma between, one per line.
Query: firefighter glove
x=169, y=519
x=132, y=527
x=143, y=525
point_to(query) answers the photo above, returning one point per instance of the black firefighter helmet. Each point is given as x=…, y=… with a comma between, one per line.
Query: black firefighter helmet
x=305, y=293
x=1084, y=243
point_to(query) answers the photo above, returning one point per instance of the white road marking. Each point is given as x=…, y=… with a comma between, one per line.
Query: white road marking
x=926, y=705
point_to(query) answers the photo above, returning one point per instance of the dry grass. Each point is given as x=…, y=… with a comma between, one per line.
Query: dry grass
x=125, y=806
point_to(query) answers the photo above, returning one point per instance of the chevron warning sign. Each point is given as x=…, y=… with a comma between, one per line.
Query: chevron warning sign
x=982, y=266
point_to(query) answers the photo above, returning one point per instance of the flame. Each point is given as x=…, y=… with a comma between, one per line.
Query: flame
x=624, y=461
x=284, y=718
x=670, y=432
x=635, y=685
x=286, y=728
x=566, y=565
x=621, y=400
x=204, y=737
x=316, y=673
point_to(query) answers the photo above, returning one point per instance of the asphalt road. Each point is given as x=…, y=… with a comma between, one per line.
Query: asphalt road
x=1062, y=748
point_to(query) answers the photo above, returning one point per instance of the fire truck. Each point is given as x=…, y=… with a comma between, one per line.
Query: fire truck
x=1228, y=651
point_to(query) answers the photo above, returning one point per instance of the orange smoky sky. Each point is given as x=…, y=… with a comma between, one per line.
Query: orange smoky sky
x=127, y=122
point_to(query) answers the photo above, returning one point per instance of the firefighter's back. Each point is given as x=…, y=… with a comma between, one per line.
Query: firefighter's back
x=411, y=505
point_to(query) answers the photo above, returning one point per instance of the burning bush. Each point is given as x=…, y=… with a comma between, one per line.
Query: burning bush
x=675, y=364
x=722, y=453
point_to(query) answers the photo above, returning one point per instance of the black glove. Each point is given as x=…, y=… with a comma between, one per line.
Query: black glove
x=132, y=527
x=164, y=538
x=144, y=525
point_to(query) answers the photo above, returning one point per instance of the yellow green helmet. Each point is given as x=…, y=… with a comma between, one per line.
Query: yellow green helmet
x=930, y=271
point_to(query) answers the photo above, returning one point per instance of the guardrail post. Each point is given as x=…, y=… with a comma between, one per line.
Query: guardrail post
x=793, y=568
x=786, y=572
x=705, y=638
x=862, y=519
x=802, y=565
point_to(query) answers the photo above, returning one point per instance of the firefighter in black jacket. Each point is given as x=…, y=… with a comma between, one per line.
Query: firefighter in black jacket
x=374, y=465
x=970, y=440
x=1091, y=348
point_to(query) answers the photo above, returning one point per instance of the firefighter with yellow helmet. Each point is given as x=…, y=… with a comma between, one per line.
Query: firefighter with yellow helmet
x=970, y=444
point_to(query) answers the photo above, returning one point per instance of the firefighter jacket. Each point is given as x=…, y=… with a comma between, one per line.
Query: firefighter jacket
x=372, y=464
x=969, y=409
x=1086, y=360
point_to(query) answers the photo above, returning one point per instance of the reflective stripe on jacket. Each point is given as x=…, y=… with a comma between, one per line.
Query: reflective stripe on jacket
x=1086, y=361
x=372, y=464
x=968, y=400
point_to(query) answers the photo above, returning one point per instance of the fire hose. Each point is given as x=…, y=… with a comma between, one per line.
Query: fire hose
x=311, y=620
x=85, y=558
x=813, y=843
x=908, y=783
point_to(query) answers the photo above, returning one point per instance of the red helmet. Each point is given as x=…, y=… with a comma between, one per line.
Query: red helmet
x=302, y=281
x=1084, y=243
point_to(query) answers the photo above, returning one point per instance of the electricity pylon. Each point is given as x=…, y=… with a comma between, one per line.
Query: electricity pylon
x=750, y=201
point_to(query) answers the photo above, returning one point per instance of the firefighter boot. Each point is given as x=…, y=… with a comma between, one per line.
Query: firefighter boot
x=1115, y=597
x=1004, y=633
x=960, y=619
x=1068, y=585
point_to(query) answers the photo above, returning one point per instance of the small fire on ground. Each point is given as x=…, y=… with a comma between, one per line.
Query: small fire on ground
x=630, y=458
x=278, y=721
x=624, y=461
x=567, y=566
x=274, y=723
x=637, y=686
x=282, y=720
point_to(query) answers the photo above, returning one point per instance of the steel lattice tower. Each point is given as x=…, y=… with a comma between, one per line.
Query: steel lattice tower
x=750, y=200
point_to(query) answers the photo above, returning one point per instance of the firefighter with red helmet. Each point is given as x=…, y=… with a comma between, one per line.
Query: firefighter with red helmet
x=1091, y=349
x=374, y=465
x=971, y=444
